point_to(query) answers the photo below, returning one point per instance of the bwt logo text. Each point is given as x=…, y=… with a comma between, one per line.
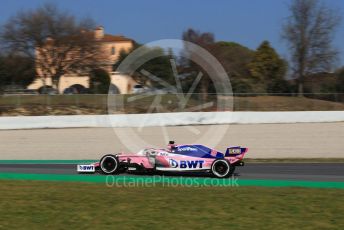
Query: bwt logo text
x=86, y=168
x=186, y=164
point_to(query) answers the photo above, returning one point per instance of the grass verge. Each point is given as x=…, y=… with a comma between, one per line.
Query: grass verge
x=48, y=205
x=127, y=180
x=35, y=105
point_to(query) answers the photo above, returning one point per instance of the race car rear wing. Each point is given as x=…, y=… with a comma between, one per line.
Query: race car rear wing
x=236, y=152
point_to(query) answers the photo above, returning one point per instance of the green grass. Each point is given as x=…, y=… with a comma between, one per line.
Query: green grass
x=98, y=104
x=279, y=103
x=48, y=205
x=163, y=180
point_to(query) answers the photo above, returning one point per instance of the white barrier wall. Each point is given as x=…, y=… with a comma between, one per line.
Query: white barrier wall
x=169, y=119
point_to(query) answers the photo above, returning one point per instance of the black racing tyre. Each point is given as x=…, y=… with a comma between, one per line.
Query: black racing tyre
x=221, y=168
x=109, y=164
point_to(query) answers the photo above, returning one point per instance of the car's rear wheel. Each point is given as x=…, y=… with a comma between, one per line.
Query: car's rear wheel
x=109, y=164
x=222, y=168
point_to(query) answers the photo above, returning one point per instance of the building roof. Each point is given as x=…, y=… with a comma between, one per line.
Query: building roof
x=115, y=38
x=92, y=35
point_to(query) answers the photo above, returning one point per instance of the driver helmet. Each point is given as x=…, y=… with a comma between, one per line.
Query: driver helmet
x=171, y=146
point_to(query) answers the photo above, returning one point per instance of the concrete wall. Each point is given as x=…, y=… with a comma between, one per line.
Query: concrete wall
x=306, y=140
x=169, y=119
x=266, y=134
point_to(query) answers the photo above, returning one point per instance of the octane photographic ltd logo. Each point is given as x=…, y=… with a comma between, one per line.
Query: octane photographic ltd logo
x=152, y=129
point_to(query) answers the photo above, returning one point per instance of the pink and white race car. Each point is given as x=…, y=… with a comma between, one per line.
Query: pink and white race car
x=174, y=158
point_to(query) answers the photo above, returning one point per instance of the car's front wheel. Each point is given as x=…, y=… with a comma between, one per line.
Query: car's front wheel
x=222, y=168
x=109, y=164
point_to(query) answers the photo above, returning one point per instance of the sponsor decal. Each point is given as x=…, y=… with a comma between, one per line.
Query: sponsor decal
x=86, y=168
x=186, y=149
x=163, y=154
x=173, y=163
x=186, y=164
x=235, y=151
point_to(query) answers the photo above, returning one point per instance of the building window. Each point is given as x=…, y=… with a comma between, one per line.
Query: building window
x=113, y=50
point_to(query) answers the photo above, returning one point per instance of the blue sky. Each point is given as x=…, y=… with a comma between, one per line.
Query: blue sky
x=248, y=22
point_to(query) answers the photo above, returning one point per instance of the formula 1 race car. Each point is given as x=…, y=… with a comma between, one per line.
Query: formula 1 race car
x=174, y=158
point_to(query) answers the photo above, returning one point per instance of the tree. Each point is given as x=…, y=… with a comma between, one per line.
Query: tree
x=340, y=74
x=160, y=67
x=16, y=70
x=340, y=82
x=3, y=75
x=99, y=81
x=268, y=69
x=309, y=33
x=54, y=39
x=235, y=58
x=206, y=41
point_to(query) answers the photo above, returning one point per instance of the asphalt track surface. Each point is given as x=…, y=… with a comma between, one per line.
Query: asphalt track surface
x=327, y=172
